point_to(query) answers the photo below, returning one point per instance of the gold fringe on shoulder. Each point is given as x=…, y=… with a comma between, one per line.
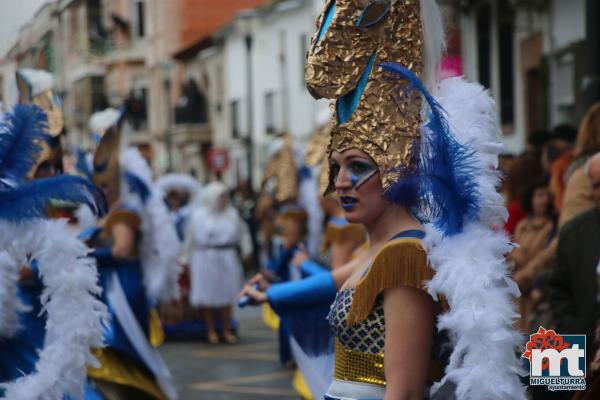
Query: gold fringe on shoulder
x=123, y=216
x=402, y=262
x=336, y=234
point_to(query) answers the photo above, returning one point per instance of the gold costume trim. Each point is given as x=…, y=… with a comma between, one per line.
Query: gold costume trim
x=358, y=367
x=401, y=262
x=118, y=368
x=155, y=329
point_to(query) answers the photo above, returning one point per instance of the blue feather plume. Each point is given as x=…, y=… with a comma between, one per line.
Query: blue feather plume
x=19, y=132
x=82, y=164
x=137, y=186
x=31, y=199
x=445, y=177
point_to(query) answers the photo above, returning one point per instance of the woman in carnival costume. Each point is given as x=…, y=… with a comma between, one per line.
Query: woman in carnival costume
x=136, y=248
x=394, y=167
x=337, y=246
x=49, y=315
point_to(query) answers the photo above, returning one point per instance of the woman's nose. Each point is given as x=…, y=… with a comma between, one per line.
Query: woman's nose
x=342, y=180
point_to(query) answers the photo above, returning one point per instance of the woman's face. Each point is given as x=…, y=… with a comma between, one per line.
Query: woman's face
x=358, y=185
x=541, y=201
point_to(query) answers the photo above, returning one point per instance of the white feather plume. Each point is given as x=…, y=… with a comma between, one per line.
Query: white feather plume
x=178, y=181
x=10, y=304
x=471, y=271
x=160, y=244
x=38, y=79
x=74, y=315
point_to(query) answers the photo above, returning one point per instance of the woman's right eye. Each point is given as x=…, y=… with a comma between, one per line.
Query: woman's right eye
x=334, y=169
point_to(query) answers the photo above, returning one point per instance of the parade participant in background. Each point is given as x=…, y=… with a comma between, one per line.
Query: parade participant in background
x=213, y=242
x=136, y=248
x=392, y=171
x=533, y=234
x=50, y=317
x=179, y=318
x=178, y=191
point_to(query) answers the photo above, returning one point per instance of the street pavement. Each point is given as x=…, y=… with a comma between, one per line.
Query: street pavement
x=248, y=370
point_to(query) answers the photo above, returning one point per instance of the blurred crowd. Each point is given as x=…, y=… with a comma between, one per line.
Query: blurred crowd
x=552, y=193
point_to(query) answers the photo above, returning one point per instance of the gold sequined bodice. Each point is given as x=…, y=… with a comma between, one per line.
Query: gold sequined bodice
x=359, y=347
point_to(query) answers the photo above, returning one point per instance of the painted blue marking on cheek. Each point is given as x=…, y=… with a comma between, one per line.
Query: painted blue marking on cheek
x=354, y=180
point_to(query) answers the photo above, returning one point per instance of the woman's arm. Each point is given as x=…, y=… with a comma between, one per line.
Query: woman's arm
x=124, y=240
x=409, y=326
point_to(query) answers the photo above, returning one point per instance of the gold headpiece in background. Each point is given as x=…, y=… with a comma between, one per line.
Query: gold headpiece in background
x=107, y=172
x=372, y=113
x=36, y=87
x=316, y=154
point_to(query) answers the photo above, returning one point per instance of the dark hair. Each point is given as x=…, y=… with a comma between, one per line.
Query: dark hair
x=527, y=201
x=565, y=132
x=522, y=173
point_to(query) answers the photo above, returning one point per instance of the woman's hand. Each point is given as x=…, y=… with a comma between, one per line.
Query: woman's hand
x=300, y=256
x=256, y=296
x=260, y=280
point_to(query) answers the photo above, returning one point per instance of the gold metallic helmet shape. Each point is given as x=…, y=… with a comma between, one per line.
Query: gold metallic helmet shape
x=372, y=112
x=106, y=172
x=36, y=86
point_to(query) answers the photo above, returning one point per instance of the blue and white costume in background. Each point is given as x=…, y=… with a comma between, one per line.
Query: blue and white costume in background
x=130, y=366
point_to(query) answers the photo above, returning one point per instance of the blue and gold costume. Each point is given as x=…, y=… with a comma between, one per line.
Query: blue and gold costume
x=130, y=366
x=120, y=361
x=357, y=317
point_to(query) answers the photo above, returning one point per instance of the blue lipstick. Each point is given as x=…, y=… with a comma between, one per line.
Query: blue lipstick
x=348, y=203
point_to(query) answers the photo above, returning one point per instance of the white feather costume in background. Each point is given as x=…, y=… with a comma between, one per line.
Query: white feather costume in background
x=210, y=248
x=160, y=245
x=471, y=271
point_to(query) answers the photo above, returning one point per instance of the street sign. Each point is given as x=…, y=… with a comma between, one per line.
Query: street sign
x=217, y=160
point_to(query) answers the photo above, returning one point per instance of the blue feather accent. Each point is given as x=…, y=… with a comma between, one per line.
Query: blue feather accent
x=304, y=173
x=82, y=164
x=443, y=188
x=30, y=200
x=137, y=186
x=18, y=135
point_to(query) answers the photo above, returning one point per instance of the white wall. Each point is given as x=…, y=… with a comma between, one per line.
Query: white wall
x=284, y=31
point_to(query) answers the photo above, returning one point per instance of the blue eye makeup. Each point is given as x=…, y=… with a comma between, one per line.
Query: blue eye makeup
x=374, y=13
x=360, y=172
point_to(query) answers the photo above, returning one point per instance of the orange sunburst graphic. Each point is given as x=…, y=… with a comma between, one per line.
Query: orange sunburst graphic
x=545, y=339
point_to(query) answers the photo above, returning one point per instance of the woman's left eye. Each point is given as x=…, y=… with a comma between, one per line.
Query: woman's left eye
x=374, y=13
x=360, y=167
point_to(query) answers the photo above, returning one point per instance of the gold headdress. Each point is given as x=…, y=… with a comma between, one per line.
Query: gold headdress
x=106, y=174
x=372, y=113
x=316, y=154
x=36, y=87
